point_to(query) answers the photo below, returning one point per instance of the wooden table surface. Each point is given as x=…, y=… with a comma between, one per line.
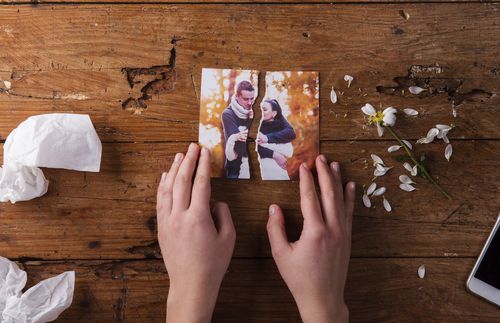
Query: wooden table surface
x=79, y=57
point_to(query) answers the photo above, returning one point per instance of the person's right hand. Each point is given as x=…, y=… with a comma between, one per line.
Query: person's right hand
x=242, y=135
x=315, y=267
x=280, y=160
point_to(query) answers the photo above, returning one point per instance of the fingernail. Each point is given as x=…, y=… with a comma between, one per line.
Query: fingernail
x=323, y=158
x=304, y=164
x=163, y=176
x=272, y=210
x=204, y=151
x=192, y=146
x=334, y=166
x=178, y=157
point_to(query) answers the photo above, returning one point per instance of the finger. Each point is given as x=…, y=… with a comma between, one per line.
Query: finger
x=165, y=189
x=350, y=195
x=183, y=180
x=337, y=180
x=276, y=231
x=309, y=203
x=329, y=201
x=201, y=186
x=223, y=221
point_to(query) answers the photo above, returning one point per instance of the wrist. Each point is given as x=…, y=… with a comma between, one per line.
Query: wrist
x=323, y=311
x=193, y=306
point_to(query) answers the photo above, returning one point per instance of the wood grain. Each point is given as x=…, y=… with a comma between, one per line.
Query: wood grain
x=57, y=61
x=111, y=214
x=387, y=290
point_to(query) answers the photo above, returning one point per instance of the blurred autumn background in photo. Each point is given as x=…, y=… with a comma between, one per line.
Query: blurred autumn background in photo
x=298, y=94
x=217, y=88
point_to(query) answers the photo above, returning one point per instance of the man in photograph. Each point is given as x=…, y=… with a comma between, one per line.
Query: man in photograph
x=236, y=120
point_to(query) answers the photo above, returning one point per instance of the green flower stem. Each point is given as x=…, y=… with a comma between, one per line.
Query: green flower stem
x=419, y=165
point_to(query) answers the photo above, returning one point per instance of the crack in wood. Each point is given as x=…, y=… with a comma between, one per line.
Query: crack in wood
x=164, y=78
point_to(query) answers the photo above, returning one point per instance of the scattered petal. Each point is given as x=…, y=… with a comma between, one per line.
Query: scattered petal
x=407, y=143
x=454, y=112
x=7, y=84
x=366, y=201
x=405, y=179
x=406, y=187
x=333, y=96
x=387, y=205
x=421, y=271
x=376, y=160
x=380, y=130
x=445, y=139
x=394, y=148
x=414, y=171
x=433, y=132
x=410, y=112
x=448, y=151
x=415, y=89
x=348, y=79
x=408, y=167
x=404, y=14
x=379, y=191
x=371, y=188
x=423, y=141
x=381, y=171
x=443, y=127
x=389, y=118
x=368, y=109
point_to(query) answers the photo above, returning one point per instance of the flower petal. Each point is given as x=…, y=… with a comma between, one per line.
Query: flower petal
x=348, y=79
x=423, y=141
x=408, y=167
x=380, y=170
x=379, y=191
x=389, y=110
x=368, y=109
x=410, y=112
x=415, y=89
x=405, y=179
x=414, y=171
x=333, y=96
x=380, y=130
x=376, y=160
x=394, y=148
x=448, y=151
x=371, y=188
x=366, y=201
x=433, y=132
x=454, y=112
x=387, y=205
x=421, y=271
x=406, y=187
x=389, y=119
x=445, y=139
x=443, y=127
x=407, y=143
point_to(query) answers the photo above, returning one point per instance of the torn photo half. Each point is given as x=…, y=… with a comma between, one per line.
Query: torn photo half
x=289, y=127
x=226, y=113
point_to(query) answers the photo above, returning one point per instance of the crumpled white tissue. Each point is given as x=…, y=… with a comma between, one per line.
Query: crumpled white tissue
x=41, y=303
x=57, y=140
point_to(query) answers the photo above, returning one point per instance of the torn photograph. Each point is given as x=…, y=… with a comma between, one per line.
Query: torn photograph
x=226, y=102
x=289, y=127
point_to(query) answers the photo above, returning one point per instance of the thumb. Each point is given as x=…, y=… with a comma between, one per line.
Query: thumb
x=276, y=231
x=222, y=219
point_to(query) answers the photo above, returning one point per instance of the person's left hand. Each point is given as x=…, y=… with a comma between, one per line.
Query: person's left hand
x=196, y=241
x=262, y=138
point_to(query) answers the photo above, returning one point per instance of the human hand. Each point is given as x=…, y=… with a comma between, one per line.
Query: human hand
x=250, y=114
x=315, y=267
x=242, y=135
x=262, y=138
x=196, y=243
x=280, y=160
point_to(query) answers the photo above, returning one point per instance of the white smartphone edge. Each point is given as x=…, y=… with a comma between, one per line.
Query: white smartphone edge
x=479, y=287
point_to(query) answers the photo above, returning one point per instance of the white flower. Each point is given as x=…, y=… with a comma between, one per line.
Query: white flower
x=448, y=151
x=380, y=118
x=393, y=148
x=421, y=271
x=371, y=188
x=366, y=201
x=405, y=179
x=387, y=205
x=415, y=89
x=431, y=134
x=379, y=191
x=348, y=79
x=380, y=170
x=443, y=132
x=376, y=160
x=333, y=96
x=407, y=143
x=406, y=187
x=412, y=170
x=410, y=112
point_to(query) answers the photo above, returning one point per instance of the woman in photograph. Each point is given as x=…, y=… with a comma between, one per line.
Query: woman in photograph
x=274, y=142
